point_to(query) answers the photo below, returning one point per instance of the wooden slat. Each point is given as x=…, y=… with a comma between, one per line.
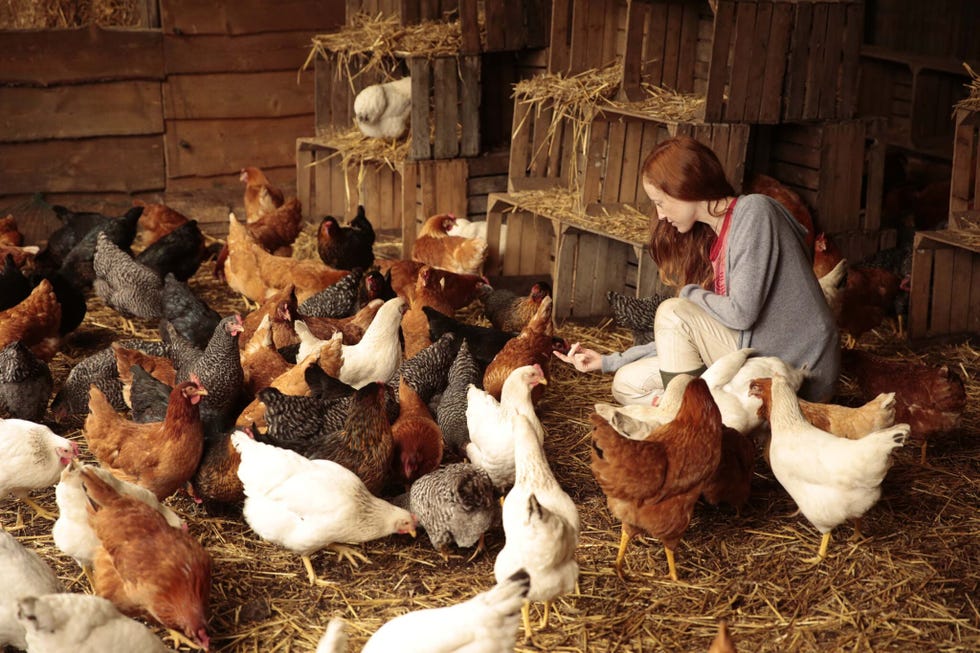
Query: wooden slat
x=588, y=24
x=633, y=57
x=304, y=177
x=322, y=172
x=761, y=50
x=469, y=107
x=876, y=183
x=249, y=16
x=80, y=55
x=536, y=16
x=776, y=58
x=688, y=48
x=469, y=29
x=496, y=25
x=672, y=44
x=919, y=290
x=959, y=312
x=745, y=37
x=832, y=59
x=446, y=94
x=615, y=161
x=249, y=53
x=520, y=154
x=515, y=224
x=211, y=147
x=114, y=163
x=410, y=209
x=633, y=156
x=110, y=109
x=560, y=48
x=814, y=67
x=606, y=266
x=940, y=303
x=654, y=44
x=796, y=176
x=493, y=265
x=973, y=320
x=718, y=66
x=241, y=95
x=796, y=77
x=564, y=276
x=539, y=145
x=849, y=65
x=527, y=247
x=341, y=103
x=421, y=146
x=587, y=259
x=594, y=163
x=323, y=97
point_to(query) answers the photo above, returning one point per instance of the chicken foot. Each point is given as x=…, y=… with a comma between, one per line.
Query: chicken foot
x=822, y=553
x=41, y=512
x=671, y=566
x=856, y=536
x=309, y=569
x=526, y=618
x=349, y=554
x=544, y=615
x=181, y=640
x=481, y=547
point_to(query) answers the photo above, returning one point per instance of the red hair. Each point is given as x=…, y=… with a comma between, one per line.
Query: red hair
x=687, y=170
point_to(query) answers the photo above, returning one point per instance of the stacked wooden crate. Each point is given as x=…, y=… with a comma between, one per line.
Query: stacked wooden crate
x=460, y=123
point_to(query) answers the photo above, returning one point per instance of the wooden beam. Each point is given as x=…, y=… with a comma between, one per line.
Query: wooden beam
x=249, y=16
x=237, y=95
x=250, y=53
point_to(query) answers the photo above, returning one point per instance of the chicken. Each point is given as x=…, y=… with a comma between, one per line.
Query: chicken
x=81, y=623
x=261, y=196
x=34, y=322
x=384, y=110
x=351, y=328
x=929, y=399
x=75, y=226
x=377, y=355
x=349, y=247
x=435, y=247
x=455, y=504
x=451, y=414
x=25, y=382
x=131, y=288
x=635, y=314
x=276, y=230
x=33, y=458
x=401, y=275
x=415, y=324
x=23, y=574
x=831, y=479
x=9, y=234
x=159, y=456
x=180, y=252
x=78, y=265
x=375, y=285
x=532, y=346
x=491, y=425
x=149, y=398
x=71, y=298
x=159, y=367
x=651, y=485
x=731, y=483
x=219, y=369
x=305, y=505
x=156, y=221
x=484, y=623
x=792, y=202
x=541, y=524
x=868, y=298
x=281, y=309
x=427, y=372
x=257, y=274
x=723, y=641
x=832, y=285
x=14, y=286
x=826, y=255
x=508, y=311
x=261, y=361
x=144, y=566
x=336, y=300
x=216, y=478
x=458, y=290
x=418, y=440
x=190, y=315
x=636, y=421
x=484, y=342
x=72, y=532
x=478, y=229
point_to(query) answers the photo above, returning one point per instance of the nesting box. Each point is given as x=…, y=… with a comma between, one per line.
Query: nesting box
x=445, y=106
x=756, y=61
x=965, y=180
x=585, y=35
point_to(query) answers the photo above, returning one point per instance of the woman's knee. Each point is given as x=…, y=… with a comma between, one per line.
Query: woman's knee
x=672, y=313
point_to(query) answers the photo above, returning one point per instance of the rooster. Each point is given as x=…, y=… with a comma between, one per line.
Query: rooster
x=383, y=110
x=437, y=248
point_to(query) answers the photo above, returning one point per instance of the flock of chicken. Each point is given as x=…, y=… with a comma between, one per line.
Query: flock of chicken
x=332, y=414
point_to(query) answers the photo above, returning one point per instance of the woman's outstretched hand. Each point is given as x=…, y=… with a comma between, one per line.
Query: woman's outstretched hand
x=582, y=359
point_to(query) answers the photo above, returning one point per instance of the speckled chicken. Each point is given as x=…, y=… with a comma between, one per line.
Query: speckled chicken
x=25, y=382
x=455, y=504
x=35, y=322
x=189, y=314
x=509, y=311
x=336, y=300
x=33, y=458
x=78, y=264
x=23, y=573
x=427, y=373
x=130, y=287
x=451, y=414
x=635, y=314
x=219, y=369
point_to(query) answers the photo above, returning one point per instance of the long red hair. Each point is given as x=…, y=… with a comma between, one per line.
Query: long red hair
x=687, y=170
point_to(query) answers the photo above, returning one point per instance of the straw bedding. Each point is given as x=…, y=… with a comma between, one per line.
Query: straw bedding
x=910, y=585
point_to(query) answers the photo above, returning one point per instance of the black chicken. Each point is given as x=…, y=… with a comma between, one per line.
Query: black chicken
x=25, y=382
x=148, y=397
x=346, y=248
x=14, y=286
x=190, y=315
x=179, y=252
x=635, y=314
x=77, y=265
x=484, y=342
x=75, y=226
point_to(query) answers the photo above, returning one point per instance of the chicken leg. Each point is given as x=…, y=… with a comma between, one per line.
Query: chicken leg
x=181, y=640
x=309, y=569
x=624, y=541
x=526, y=617
x=349, y=554
x=38, y=509
x=672, y=568
x=822, y=553
x=481, y=547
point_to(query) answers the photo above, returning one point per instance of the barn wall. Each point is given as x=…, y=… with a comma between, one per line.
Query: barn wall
x=185, y=106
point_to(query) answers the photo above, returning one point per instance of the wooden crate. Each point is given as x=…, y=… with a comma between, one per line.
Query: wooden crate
x=605, y=167
x=511, y=26
x=836, y=167
x=964, y=191
x=945, y=290
x=529, y=240
x=445, y=93
x=586, y=35
x=753, y=61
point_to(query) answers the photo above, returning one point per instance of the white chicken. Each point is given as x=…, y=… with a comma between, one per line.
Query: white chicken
x=33, y=458
x=22, y=574
x=541, y=525
x=831, y=479
x=379, y=352
x=383, y=110
x=636, y=421
x=305, y=505
x=72, y=533
x=82, y=623
x=832, y=286
x=477, y=229
x=491, y=424
x=309, y=343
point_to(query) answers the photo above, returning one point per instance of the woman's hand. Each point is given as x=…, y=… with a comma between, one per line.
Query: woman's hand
x=582, y=359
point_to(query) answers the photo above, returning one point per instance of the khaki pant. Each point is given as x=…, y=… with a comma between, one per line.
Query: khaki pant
x=687, y=338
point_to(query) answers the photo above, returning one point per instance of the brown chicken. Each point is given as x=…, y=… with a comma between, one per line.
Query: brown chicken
x=276, y=230
x=261, y=196
x=868, y=298
x=403, y=275
x=929, y=399
x=216, y=478
x=281, y=309
x=766, y=185
x=534, y=345
x=352, y=328
x=160, y=368
x=261, y=361
x=415, y=325
x=144, y=566
x=510, y=312
x=156, y=221
x=826, y=255
x=9, y=234
x=731, y=483
x=437, y=248
x=257, y=274
x=418, y=439
x=34, y=322
x=160, y=456
x=653, y=484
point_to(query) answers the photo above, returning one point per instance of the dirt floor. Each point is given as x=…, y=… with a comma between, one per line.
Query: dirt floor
x=909, y=584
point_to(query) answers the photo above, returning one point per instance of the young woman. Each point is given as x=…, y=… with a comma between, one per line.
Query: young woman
x=745, y=280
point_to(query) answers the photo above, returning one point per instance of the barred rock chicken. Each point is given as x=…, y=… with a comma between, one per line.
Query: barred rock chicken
x=82, y=623
x=23, y=573
x=427, y=372
x=34, y=322
x=25, y=382
x=455, y=504
x=930, y=399
x=156, y=221
x=418, y=440
x=336, y=300
x=831, y=479
x=435, y=247
x=145, y=567
x=219, y=369
x=131, y=288
x=33, y=458
x=508, y=311
x=541, y=524
x=261, y=196
x=160, y=456
x=349, y=247
x=188, y=313
x=305, y=505
x=635, y=314
x=652, y=485
x=451, y=414
x=533, y=346
x=78, y=266
x=384, y=110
